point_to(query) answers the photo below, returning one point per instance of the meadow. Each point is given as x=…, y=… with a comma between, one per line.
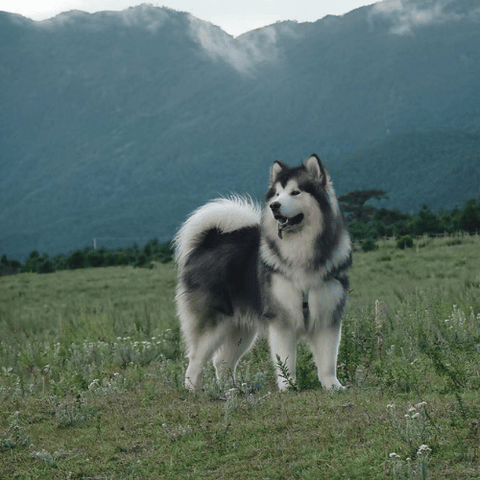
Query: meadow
x=92, y=365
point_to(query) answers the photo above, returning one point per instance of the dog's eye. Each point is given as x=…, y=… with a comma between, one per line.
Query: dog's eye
x=295, y=192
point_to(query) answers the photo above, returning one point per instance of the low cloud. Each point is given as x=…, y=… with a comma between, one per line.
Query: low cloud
x=407, y=15
x=244, y=53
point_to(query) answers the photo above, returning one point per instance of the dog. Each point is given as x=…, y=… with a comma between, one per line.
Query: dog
x=281, y=270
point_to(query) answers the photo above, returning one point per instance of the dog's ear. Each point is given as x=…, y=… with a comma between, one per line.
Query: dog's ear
x=316, y=169
x=275, y=171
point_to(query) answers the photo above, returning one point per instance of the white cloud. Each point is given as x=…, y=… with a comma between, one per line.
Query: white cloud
x=407, y=15
x=242, y=53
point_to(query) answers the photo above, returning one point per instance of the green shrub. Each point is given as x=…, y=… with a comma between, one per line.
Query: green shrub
x=405, y=242
x=368, y=245
x=76, y=260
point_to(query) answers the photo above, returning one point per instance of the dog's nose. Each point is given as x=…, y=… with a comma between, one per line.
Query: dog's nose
x=275, y=206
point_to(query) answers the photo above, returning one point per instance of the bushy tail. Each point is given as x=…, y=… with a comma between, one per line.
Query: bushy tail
x=225, y=214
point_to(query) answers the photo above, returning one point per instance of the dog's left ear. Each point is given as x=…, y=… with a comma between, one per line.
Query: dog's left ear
x=275, y=171
x=316, y=169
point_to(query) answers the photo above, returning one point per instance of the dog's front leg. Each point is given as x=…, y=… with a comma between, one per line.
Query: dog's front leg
x=283, y=341
x=326, y=306
x=324, y=344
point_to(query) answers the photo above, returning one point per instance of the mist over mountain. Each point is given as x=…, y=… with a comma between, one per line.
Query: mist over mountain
x=118, y=124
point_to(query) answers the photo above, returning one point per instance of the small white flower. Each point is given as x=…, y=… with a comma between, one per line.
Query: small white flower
x=391, y=405
x=394, y=455
x=416, y=415
x=412, y=409
x=94, y=384
x=423, y=448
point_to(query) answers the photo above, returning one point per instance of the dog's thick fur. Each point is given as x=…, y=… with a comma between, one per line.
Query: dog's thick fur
x=243, y=270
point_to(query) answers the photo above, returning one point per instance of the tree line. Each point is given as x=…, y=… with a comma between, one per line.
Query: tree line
x=365, y=223
x=153, y=251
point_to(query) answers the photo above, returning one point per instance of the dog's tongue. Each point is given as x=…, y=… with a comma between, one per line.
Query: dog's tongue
x=284, y=222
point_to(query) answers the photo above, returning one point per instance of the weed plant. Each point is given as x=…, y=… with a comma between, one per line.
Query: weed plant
x=92, y=368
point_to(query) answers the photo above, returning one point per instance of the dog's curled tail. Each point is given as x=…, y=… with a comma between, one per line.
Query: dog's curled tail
x=224, y=214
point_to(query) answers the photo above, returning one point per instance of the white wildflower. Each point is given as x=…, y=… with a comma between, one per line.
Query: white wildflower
x=94, y=384
x=423, y=448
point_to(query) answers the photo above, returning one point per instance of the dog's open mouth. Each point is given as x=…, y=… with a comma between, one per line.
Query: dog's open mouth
x=285, y=223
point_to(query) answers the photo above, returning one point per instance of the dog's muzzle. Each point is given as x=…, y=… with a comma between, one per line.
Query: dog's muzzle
x=284, y=223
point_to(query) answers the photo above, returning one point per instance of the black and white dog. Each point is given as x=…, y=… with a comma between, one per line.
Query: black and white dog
x=243, y=270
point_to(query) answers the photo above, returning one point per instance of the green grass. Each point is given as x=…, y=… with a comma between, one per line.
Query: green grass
x=91, y=373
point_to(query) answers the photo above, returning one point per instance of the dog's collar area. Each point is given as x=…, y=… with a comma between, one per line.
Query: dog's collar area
x=305, y=309
x=305, y=301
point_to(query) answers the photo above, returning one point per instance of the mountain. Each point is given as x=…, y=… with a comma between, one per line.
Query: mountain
x=115, y=125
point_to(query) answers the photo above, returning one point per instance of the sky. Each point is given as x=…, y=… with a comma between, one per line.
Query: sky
x=233, y=16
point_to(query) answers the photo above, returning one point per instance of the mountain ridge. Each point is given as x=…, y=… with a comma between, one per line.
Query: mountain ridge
x=120, y=123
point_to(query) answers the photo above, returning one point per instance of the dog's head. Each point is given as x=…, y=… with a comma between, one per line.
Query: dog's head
x=297, y=194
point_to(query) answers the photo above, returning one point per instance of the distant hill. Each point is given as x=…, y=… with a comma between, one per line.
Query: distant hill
x=117, y=124
x=437, y=168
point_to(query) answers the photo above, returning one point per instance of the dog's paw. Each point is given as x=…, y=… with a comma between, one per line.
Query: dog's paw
x=331, y=383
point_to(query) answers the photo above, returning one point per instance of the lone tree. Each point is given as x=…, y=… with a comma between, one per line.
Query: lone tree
x=354, y=202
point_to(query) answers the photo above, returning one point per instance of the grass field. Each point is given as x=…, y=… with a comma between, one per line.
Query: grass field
x=92, y=369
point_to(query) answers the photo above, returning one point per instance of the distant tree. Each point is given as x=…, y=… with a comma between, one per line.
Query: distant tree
x=405, y=242
x=76, y=260
x=390, y=223
x=426, y=222
x=165, y=252
x=45, y=265
x=354, y=202
x=368, y=245
x=9, y=267
x=147, y=249
x=469, y=216
x=31, y=264
x=141, y=260
x=96, y=258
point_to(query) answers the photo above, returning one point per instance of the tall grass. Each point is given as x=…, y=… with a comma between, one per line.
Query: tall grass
x=92, y=366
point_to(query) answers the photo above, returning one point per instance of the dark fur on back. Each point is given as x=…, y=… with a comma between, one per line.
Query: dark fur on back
x=221, y=273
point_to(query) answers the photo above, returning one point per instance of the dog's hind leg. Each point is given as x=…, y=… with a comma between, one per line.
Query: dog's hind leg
x=199, y=353
x=235, y=344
